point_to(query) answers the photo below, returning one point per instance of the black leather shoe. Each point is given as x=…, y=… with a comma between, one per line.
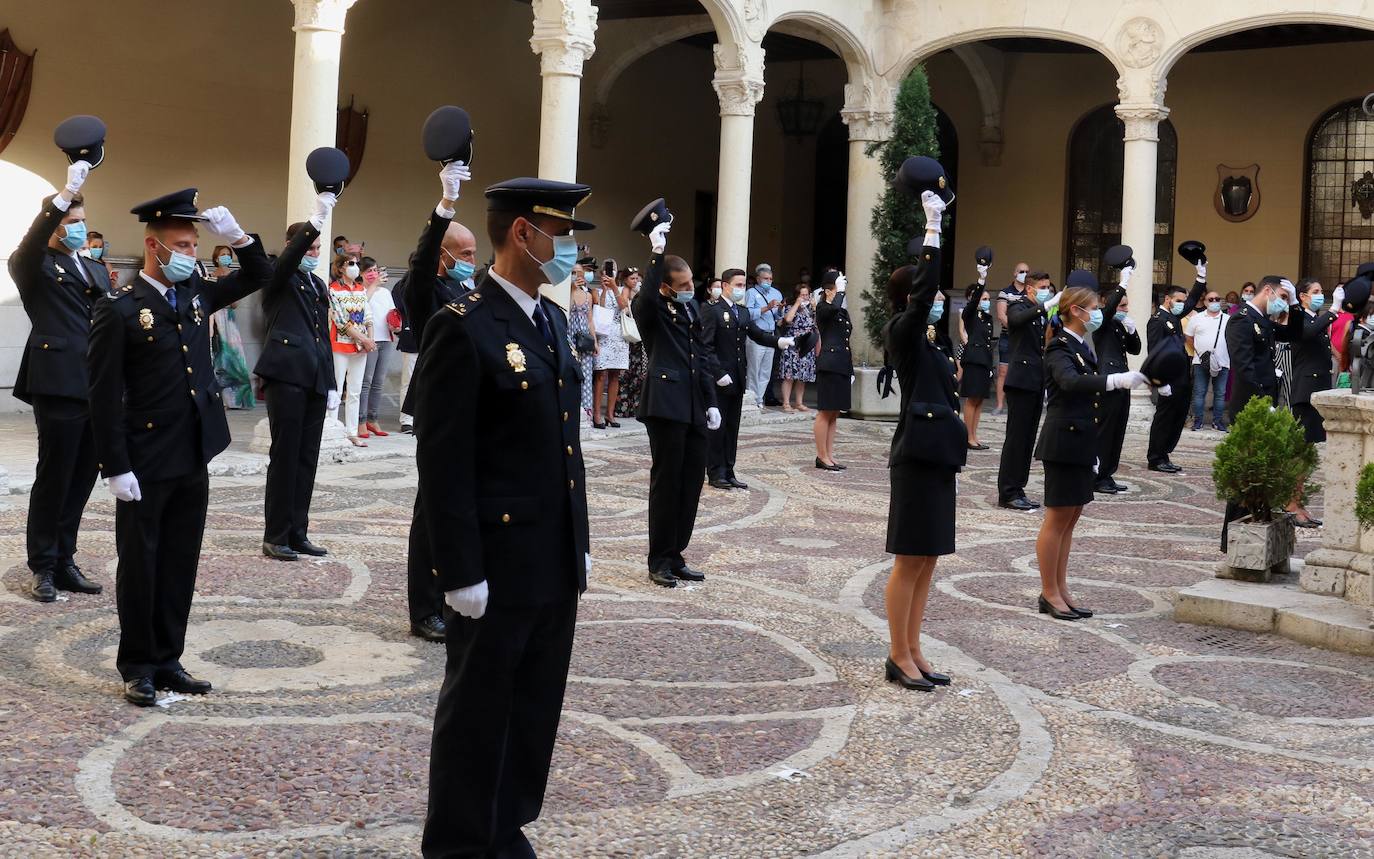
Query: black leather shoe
x=1177, y=468
x=1017, y=504
x=1046, y=608
x=279, y=553
x=1165, y=467
x=305, y=547
x=979, y=446
x=1081, y=612
x=70, y=578
x=1120, y=487
x=898, y=676
x=839, y=467
x=664, y=578
x=407, y=429
x=936, y=677
x=180, y=681
x=737, y=483
x=721, y=483
x=687, y=574
x=140, y=691
x=43, y=588
x=1035, y=505
x=613, y=424
x=823, y=467
x=1105, y=486
x=431, y=628
x=1305, y=522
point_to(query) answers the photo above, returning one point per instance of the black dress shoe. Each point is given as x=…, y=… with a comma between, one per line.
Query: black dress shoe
x=1017, y=504
x=1120, y=487
x=664, y=578
x=823, y=467
x=1177, y=468
x=721, y=483
x=431, y=628
x=596, y=425
x=180, y=681
x=1165, y=467
x=898, y=676
x=305, y=547
x=1081, y=612
x=737, y=483
x=279, y=553
x=687, y=574
x=1035, y=505
x=407, y=429
x=140, y=691
x=1046, y=608
x=839, y=467
x=935, y=677
x=1105, y=486
x=43, y=588
x=70, y=578
x=979, y=446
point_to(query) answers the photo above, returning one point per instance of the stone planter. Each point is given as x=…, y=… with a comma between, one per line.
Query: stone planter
x=866, y=404
x=1258, y=551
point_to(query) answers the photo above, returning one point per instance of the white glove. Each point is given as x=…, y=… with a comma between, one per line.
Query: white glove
x=713, y=418
x=77, y=172
x=934, y=208
x=1125, y=277
x=1122, y=381
x=841, y=283
x=324, y=205
x=125, y=487
x=1097, y=460
x=1166, y=391
x=982, y=275
x=220, y=221
x=451, y=176
x=786, y=342
x=1286, y=286
x=658, y=237
x=1278, y=374
x=1129, y=324
x=1053, y=301
x=470, y=601
x=1337, y=299
x=1202, y=272
x=331, y=401
x=725, y=381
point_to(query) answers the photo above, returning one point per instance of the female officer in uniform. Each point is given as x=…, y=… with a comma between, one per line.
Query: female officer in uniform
x=1068, y=441
x=834, y=367
x=978, y=360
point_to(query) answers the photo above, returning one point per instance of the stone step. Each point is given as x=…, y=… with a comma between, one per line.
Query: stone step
x=1282, y=608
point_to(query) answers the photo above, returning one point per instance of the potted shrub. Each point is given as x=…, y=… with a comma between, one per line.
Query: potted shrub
x=1259, y=466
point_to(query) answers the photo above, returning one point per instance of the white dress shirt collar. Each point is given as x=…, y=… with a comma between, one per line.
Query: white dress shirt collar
x=161, y=290
x=526, y=301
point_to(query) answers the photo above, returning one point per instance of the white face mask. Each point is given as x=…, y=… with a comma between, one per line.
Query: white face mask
x=715, y=293
x=351, y=272
x=1020, y=277
x=739, y=294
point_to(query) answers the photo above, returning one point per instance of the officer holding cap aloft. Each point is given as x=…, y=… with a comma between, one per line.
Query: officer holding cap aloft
x=501, y=472
x=59, y=288
x=1171, y=410
x=1112, y=342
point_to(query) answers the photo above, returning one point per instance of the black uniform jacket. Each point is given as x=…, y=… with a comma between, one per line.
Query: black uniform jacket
x=832, y=321
x=405, y=338
x=981, y=348
x=426, y=292
x=499, y=457
x=1073, y=403
x=60, y=306
x=681, y=383
x=929, y=429
x=1311, y=355
x=724, y=328
x=1112, y=341
x=1026, y=327
x=297, y=349
x=1250, y=337
x=1165, y=324
x=155, y=404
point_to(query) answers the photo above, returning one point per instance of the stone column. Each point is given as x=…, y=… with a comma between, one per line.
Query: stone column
x=739, y=86
x=1138, y=202
x=314, y=95
x=1342, y=566
x=564, y=39
x=869, y=113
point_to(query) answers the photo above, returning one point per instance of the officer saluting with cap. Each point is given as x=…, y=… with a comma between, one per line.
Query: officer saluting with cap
x=158, y=419
x=1171, y=412
x=501, y=472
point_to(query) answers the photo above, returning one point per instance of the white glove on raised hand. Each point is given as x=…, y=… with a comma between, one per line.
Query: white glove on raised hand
x=1122, y=381
x=470, y=601
x=786, y=342
x=331, y=401
x=934, y=209
x=453, y=174
x=658, y=237
x=77, y=172
x=982, y=275
x=841, y=283
x=1097, y=461
x=325, y=202
x=1129, y=324
x=125, y=487
x=725, y=381
x=220, y=221
x=1202, y=272
x=1286, y=286
x=1337, y=299
x=1125, y=277
x=1053, y=301
x=713, y=418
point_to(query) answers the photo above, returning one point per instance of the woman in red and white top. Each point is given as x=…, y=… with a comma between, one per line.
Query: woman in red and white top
x=351, y=336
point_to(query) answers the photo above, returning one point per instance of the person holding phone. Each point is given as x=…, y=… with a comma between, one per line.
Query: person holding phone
x=764, y=305
x=613, y=353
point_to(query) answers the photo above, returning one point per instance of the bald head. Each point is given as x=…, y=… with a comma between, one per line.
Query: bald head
x=459, y=244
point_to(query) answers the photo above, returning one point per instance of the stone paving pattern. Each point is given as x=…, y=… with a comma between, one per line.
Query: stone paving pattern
x=743, y=717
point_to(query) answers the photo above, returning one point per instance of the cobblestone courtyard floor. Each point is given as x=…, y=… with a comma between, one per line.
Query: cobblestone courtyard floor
x=745, y=717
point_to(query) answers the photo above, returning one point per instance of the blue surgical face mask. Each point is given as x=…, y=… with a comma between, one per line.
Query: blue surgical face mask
x=224, y=260
x=307, y=263
x=1120, y=316
x=1042, y=295
x=985, y=305
x=1214, y=306
x=179, y=267
x=1094, y=320
x=589, y=277
x=560, y=267
x=1317, y=302
x=936, y=311
x=682, y=297
x=1178, y=308
x=97, y=253
x=461, y=270
x=1277, y=307
x=74, y=235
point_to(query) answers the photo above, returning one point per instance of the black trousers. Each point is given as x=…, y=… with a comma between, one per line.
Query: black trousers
x=1171, y=413
x=1023, y=421
x=495, y=727
x=422, y=586
x=296, y=416
x=722, y=443
x=62, y=484
x=1111, y=433
x=675, y=479
x=159, y=550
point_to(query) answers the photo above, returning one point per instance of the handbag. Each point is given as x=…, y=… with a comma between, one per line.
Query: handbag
x=629, y=329
x=585, y=343
x=602, y=317
x=1209, y=358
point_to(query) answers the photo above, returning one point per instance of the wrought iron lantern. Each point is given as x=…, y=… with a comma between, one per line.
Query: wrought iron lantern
x=800, y=116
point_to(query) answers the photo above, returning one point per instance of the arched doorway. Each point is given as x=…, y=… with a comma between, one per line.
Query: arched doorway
x=1338, y=215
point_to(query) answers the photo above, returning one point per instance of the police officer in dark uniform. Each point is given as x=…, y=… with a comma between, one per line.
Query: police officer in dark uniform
x=1024, y=389
x=158, y=420
x=1116, y=339
x=1311, y=357
x=502, y=474
x=725, y=327
x=979, y=359
x=1171, y=410
x=678, y=407
x=59, y=288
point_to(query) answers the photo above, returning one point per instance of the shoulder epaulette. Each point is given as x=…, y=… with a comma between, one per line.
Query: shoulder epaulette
x=127, y=289
x=465, y=303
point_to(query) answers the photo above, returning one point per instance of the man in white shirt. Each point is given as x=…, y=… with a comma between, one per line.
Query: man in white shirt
x=1206, y=335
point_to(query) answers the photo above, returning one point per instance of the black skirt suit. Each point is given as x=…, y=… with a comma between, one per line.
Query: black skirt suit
x=1068, y=440
x=980, y=356
x=930, y=444
x=1311, y=371
x=835, y=362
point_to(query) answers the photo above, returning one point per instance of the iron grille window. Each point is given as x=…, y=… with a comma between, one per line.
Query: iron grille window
x=1097, y=156
x=1338, y=221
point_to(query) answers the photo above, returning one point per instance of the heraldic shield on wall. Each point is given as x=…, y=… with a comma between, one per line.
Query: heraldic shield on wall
x=1237, y=196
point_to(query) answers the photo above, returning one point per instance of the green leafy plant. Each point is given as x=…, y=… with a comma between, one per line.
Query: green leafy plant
x=897, y=218
x=1364, y=497
x=1262, y=461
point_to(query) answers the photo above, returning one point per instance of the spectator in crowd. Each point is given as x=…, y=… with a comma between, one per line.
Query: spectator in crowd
x=385, y=327
x=632, y=380
x=582, y=328
x=1232, y=302
x=1311, y=354
x=226, y=343
x=1339, y=330
x=408, y=345
x=1247, y=295
x=340, y=244
x=99, y=250
x=1283, y=364
x=798, y=369
x=1206, y=335
x=1013, y=292
x=764, y=303
x=834, y=366
x=351, y=339
x=612, y=352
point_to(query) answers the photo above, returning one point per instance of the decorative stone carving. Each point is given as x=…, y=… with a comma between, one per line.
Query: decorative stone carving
x=325, y=15
x=564, y=35
x=755, y=19
x=1140, y=43
x=1142, y=120
x=739, y=79
x=869, y=110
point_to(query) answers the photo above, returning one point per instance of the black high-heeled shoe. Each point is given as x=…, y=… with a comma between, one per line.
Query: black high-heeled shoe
x=1046, y=608
x=839, y=467
x=935, y=677
x=896, y=675
x=823, y=467
x=1081, y=612
x=596, y=425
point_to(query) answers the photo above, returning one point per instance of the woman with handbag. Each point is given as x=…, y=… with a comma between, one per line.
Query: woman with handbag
x=386, y=324
x=582, y=330
x=612, y=352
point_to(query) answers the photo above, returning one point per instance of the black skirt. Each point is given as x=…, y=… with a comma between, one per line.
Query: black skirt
x=920, y=513
x=976, y=382
x=1314, y=428
x=832, y=391
x=1068, y=485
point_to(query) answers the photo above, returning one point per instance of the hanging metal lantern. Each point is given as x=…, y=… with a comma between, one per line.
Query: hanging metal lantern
x=800, y=116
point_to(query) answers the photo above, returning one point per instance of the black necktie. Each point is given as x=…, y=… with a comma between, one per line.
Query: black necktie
x=541, y=321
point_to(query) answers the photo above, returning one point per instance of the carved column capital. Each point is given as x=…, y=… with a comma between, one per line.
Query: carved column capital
x=564, y=35
x=1142, y=120
x=739, y=79
x=869, y=110
x=322, y=15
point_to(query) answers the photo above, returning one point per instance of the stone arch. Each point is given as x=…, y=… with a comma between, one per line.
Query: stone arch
x=641, y=49
x=1181, y=46
x=928, y=49
x=831, y=33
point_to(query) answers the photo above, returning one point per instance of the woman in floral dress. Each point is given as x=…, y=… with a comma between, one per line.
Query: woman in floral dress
x=797, y=369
